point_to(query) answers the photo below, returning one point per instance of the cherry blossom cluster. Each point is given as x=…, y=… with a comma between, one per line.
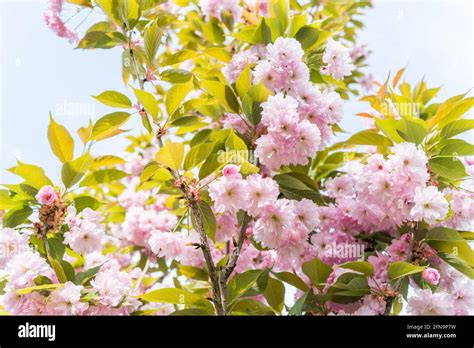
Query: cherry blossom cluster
x=280, y=224
x=296, y=121
x=110, y=293
x=384, y=193
x=52, y=18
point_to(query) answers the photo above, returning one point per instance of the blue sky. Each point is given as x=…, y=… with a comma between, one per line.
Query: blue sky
x=42, y=73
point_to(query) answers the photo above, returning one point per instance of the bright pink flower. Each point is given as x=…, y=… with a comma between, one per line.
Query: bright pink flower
x=431, y=275
x=232, y=171
x=47, y=195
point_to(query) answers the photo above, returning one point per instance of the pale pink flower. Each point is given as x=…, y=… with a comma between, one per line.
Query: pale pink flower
x=430, y=205
x=23, y=268
x=66, y=300
x=425, y=302
x=229, y=194
x=85, y=238
x=112, y=285
x=12, y=243
x=261, y=191
x=337, y=59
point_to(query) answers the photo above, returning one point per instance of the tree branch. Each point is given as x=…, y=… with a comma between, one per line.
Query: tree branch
x=196, y=213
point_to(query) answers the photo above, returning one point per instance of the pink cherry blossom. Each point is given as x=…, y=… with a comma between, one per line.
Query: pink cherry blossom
x=47, y=195
x=431, y=275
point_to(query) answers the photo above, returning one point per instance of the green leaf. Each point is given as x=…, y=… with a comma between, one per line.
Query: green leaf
x=250, y=307
x=292, y=279
x=389, y=128
x=114, y=99
x=60, y=141
x=274, y=293
x=411, y=131
x=449, y=168
x=152, y=39
x=211, y=164
x=219, y=53
x=73, y=171
x=194, y=273
x=56, y=247
x=459, y=109
x=307, y=36
x=107, y=125
x=297, y=308
x=401, y=269
x=197, y=154
x=451, y=242
x=33, y=175
x=180, y=56
x=208, y=219
x=16, y=216
x=223, y=93
x=456, y=127
x=241, y=283
x=82, y=278
x=131, y=12
x=103, y=176
x=457, y=263
x=292, y=187
x=82, y=202
x=234, y=142
x=176, y=75
x=244, y=81
x=279, y=10
x=263, y=32
x=368, y=137
x=176, y=95
x=317, y=271
x=44, y=287
x=213, y=32
x=107, y=161
x=349, y=287
x=177, y=296
x=456, y=148
x=359, y=266
x=297, y=22
x=171, y=155
x=110, y=8
x=149, y=170
x=148, y=101
x=7, y=202
x=58, y=269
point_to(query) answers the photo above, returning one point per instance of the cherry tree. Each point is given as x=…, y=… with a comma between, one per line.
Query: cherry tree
x=241, y=193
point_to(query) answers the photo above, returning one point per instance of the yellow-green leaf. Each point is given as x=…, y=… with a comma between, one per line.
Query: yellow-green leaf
x=114, y=99
x=148, y=101
x=171, y=155
x=108, y=125
x=60, y=141
x=176, y=95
